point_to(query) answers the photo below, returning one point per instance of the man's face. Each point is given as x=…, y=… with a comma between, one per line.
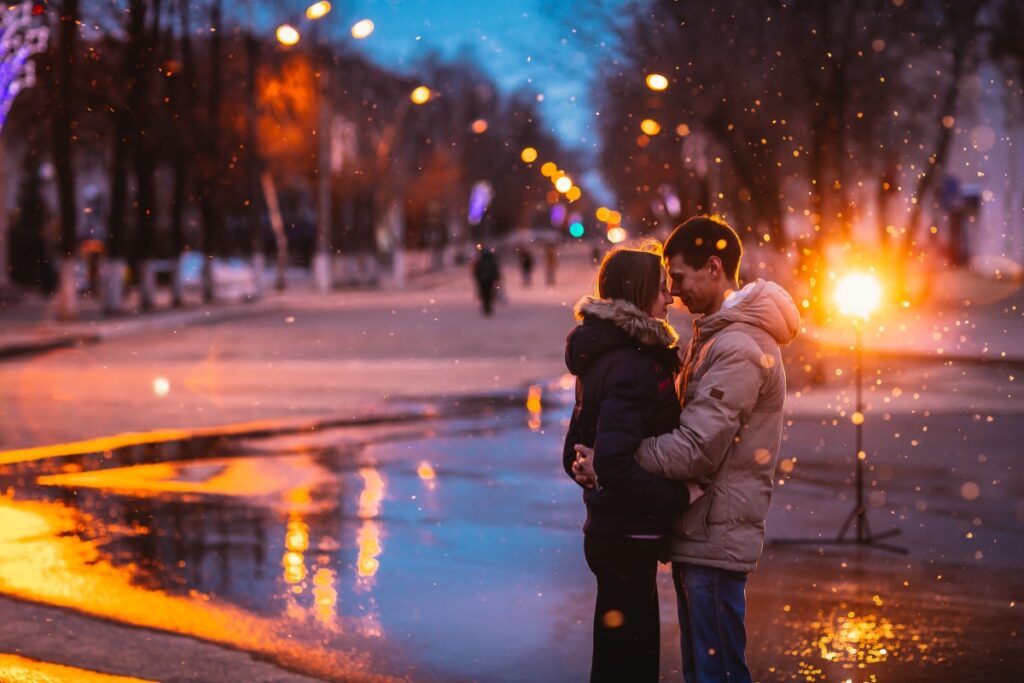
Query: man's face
x=694, y=286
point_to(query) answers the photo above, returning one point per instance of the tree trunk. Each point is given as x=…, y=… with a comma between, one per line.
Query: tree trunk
x=63, y=158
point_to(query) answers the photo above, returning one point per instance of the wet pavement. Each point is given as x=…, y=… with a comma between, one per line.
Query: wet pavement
x=447, y=546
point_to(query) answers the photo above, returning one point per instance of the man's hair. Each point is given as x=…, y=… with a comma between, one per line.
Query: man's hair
x=700, y=238
x=633, y=275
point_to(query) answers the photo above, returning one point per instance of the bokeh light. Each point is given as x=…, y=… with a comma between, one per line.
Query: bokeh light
x=603, y=214
x=650, y=127
x=548, y=169
x=858, y=294
x=420, y=95
x=362, y=29
x=576, y=230
x=318, y=10
x=563, y=184
x=573, y=193
x=616, y=235
x=287, y=35
x=656, y=82
x=479, y=126
x=528, y=155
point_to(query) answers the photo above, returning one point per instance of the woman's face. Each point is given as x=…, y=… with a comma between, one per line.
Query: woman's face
x=663, y=299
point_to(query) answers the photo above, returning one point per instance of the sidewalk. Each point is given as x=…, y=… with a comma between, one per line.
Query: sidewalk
x=30, y=326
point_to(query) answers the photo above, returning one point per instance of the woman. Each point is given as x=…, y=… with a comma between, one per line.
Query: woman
x=624, y=356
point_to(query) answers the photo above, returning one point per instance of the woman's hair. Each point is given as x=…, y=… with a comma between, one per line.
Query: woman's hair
x=633, y=275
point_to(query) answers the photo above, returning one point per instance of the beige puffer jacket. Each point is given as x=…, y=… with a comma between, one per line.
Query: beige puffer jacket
x=730, y=429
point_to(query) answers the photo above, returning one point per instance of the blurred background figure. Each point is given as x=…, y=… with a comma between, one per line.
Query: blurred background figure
x=487, y=273
x=550, y=264
x=526, y=265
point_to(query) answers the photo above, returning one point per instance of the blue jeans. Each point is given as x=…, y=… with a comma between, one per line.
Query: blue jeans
x=712, y=606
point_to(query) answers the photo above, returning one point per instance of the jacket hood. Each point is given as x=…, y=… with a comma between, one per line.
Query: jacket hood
x=761, y=303
x=612, y=323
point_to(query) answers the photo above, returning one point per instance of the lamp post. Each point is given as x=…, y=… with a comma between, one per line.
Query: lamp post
x=857, y=295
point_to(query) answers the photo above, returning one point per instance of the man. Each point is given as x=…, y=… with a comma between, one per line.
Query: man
x=732, y=387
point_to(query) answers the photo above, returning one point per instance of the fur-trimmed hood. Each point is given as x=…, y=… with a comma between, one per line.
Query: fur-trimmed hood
x=607, y=324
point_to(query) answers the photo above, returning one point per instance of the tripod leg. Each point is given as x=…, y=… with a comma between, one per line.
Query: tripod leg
x=846, y=525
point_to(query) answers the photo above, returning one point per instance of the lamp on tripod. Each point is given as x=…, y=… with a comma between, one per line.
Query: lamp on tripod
x=857, y=295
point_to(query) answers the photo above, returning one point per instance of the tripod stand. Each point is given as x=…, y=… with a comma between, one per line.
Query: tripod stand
x=858, y=516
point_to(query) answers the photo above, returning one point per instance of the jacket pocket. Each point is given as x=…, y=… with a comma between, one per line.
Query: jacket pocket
x=693, y=524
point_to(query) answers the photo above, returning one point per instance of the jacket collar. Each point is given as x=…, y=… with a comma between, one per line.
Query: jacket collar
x=640, y=326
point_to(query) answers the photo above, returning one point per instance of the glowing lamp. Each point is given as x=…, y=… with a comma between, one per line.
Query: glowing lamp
x=318, y=10
x=656, y=82
x=858, y=294
x=362, y=29
x=650, y=127
x=420, y=95
x=287, y=35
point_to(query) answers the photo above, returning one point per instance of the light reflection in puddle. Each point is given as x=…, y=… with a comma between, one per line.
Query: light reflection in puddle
x=43, y=561
x=15, y=669
x=860, y=643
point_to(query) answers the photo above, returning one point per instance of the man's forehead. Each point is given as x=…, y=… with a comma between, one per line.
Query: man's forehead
x=676, y=264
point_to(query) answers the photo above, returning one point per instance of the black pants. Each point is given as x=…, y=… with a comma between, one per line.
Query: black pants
x=627, y=635
x=485, y=288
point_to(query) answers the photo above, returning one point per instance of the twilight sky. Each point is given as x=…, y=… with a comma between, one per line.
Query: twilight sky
x=538, y=44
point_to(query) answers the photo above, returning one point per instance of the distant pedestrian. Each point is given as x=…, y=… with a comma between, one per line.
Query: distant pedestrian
x=550, y=264
x=526, y=265
x=487, y=274
x=624, y=354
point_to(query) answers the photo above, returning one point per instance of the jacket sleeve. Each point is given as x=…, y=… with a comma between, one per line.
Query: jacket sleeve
x=710, y=421
x=620, y=427
x=572, y=437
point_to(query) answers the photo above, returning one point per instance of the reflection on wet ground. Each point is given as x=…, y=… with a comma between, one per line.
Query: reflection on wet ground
x=15, y=669
x=449, y=549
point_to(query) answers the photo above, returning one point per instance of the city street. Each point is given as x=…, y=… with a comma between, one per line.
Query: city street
x=354, y=487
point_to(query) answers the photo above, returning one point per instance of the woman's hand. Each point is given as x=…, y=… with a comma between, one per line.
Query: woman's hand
x=583, y=467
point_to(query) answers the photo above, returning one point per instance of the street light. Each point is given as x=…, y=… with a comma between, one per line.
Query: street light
x=362, y=29
x=287, y=35
x=857, y=295
x=420, y=95
x=656, y=82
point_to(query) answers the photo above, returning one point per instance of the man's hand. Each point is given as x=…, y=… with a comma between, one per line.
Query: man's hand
x=583, y=468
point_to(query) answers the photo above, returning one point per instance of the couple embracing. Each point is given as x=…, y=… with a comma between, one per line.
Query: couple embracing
x=692, y=484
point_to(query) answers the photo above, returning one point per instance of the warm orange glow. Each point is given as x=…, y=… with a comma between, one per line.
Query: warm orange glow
x=615, y=218
x=373, y=493
x=297, y=537
x=325, y=597
x=656, y=82
x=553, y=197
x=574, y=193
x=46, y=562
x=603, y=214
x=426, y=471
x=533, y=406
x=368, y=540
x=528, y=155
x=682, y=130
x=650, y=127
x=548, y=169
x=858, y=294
x=16, y=669
x=318, y=10
x=563, y=184
x=616, y=235
x=161, y=386
x=420, y=95
x=479, y=126
x=287, y=35
x=362, y=29
x=287, y=480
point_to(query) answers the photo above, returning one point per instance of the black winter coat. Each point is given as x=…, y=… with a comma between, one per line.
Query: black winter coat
x=625, y=362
